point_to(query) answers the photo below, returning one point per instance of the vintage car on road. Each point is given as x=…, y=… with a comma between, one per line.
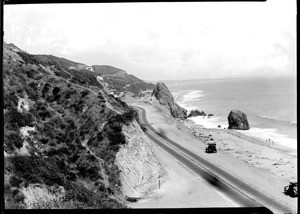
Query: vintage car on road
x=291, y=189
x=211, y=148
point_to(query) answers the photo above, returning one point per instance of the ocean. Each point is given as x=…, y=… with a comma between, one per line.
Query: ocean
x=269, y=103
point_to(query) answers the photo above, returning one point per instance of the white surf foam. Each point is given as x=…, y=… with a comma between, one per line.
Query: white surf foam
x=208, y=122
x=188, y=97
x=272, y=138
x=192, y=95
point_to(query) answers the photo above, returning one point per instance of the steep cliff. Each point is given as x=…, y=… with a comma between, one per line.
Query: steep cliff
x=165, y=98
x=139, y=166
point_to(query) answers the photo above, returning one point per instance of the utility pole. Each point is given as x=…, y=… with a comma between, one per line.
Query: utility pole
x=159, y=182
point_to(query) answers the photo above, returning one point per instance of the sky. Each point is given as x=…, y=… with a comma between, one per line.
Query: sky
x=163, y=41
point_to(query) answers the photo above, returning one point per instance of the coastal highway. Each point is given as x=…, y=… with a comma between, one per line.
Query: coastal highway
x=235, y=189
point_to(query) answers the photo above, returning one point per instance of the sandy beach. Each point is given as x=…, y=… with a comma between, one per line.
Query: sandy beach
x=250, y=159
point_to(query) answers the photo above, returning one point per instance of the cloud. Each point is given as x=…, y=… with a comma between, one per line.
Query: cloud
x=163, y=40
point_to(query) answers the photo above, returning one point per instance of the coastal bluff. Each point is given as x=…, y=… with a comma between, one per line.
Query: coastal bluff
x=238, y=120
x=165, y=98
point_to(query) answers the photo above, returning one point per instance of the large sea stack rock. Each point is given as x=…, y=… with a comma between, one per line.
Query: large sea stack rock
x=237, y=120
x=195, y=113
x=165, y=98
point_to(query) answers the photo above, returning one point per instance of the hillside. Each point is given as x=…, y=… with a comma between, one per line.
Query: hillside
x=107, y=70
x=62, y=132
x=119, y=81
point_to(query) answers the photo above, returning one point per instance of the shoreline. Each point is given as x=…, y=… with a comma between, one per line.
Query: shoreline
x=265, y=168
x=275, y=133
x=268, y=137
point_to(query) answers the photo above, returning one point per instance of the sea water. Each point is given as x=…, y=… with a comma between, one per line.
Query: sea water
x=269, y=103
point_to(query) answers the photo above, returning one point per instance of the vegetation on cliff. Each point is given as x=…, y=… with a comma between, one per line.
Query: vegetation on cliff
x=73, y=130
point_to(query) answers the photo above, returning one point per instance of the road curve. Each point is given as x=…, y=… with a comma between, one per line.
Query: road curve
x=227, y=183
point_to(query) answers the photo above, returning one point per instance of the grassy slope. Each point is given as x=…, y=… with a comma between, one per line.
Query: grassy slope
x=76, y=136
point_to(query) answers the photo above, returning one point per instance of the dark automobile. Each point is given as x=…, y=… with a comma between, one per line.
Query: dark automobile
x=211, y=148
x=291, y=189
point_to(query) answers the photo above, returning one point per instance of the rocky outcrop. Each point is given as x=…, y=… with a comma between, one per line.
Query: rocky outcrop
x=139, y=167
x=165, y=98
x=237, y=120
x=195, y=113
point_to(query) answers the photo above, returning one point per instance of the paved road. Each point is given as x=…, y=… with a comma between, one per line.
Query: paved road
x=234, y=188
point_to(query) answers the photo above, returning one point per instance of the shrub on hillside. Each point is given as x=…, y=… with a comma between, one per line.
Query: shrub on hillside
x=123, y=104
x=14, y=199
x=31, y=90
x=84, y=93
x=70, y=136
x=53, y=129
x=34, y=169
x=88, y=166
x=15, y=181
x=10, y=126
x=95, y=141
x=68, y=93
x=84, y=198
x=45, y=89
x=21, y=119
x=55, y=93
x=87, y=125
x=130, y=115
x=78, y=105
x=33, y=85
x=10, y=100
x=41, y=110
x=100, y=97
x=44, y=140
x=116, y=138
x=62, y=150
x=13, y=140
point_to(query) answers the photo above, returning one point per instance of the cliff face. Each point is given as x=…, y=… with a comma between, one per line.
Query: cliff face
x=165, y=98
x=140, y=168
x=238, y=120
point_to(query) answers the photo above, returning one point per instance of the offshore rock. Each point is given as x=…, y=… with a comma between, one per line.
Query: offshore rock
x=195, y=113
x=165, y=98
x=237, y=120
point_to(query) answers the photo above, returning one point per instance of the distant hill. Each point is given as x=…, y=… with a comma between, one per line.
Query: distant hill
x=119, y=81
x=115, y=79
x=44, y=60
x=107, y=70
